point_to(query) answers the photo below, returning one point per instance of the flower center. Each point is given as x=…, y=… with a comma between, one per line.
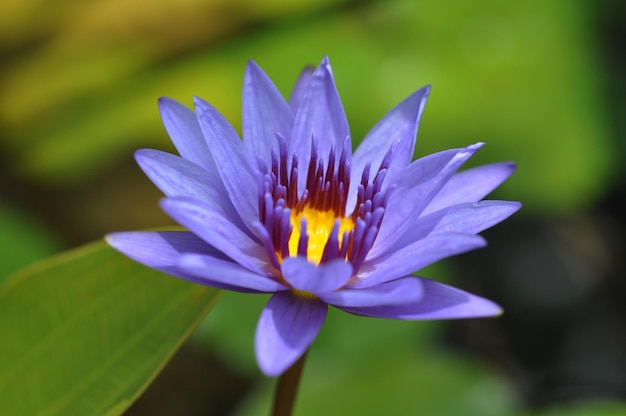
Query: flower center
x=319, y=226
x=313, y=223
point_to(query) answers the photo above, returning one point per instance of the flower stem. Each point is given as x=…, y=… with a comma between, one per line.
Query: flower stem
x=287, y=388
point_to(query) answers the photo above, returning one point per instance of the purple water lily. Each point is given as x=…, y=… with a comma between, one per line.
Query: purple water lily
x=292, y=211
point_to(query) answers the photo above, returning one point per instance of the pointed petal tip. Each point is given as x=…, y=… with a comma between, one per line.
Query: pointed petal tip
x=507, y=208
x=440, y=301
x=425, y=90
x=119, y=240
x=201, y=104
x=201, y=108
x=325, y=66
x=252, y=66
x=157, y=250
x=474, y=307
x=165, y=101
x=472, y=148
x=511, y=165
x=111, y=238
x=197, y=100
x=169, y=107
x=488, y=309
x=477, y=308
x=167, y=204
x=140, y=154
x=515, y=206
x=419, y=98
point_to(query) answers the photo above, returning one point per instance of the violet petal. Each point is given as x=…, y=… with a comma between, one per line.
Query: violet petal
x=440, y=301
x=397, y=292
x=287, y=327
x=159, y=248
x=235, y=165
x=182, y=126
x=322, y=278
x=414, y=257
x=177, y=177
x=475, y=217
x=471, y=185
x=468, y=218
x=298, y=90
x=162, y=251
x=218, y=272
x=216, y=230
x=398, y=126
x=321, y=115
x=265, y=113
x=413, y=193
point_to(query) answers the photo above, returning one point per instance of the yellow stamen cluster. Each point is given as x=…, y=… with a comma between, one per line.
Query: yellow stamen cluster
x=319, y=225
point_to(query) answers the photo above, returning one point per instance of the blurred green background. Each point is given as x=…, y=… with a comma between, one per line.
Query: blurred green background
x=540, y=81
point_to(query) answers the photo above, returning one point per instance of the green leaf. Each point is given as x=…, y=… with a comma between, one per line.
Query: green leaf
x=85, y=332
x=23, y=240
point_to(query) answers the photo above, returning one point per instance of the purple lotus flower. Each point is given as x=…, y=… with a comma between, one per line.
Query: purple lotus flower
x=292, y=211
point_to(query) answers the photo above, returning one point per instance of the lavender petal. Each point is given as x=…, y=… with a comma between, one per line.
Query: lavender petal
x=397, y=292
x=163, y=250
x=439, y=301
x=220, y=273
x=414, y=257
x=298, y=90
x=468, y=218
x=471, y=185
x=235, y=165
x=182, y=126
x=287, y=327
x=321, y=115
x=399, y=126
x=416, y=186
x=265, y=113
x=325, y=277
x=177, y=177
x=216, y=230
x=159, y=248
